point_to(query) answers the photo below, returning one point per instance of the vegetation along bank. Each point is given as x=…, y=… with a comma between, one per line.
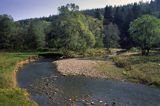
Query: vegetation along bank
x=10, y=93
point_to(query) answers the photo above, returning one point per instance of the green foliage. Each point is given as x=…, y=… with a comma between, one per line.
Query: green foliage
x=146, y=32
x=69, y=30
x=68, y=53
x=134, y=49
x=122, y=62
x=123, y=15
x=74, y=31
x=15, y=97
x=35, y=37
x=108, y=15
x=144, y=69
x=7, y=65
x=9, y=96
x=96, y=27
x=111, y=36
x=94, y=52
x=6, y=31
x=65, y=10
x=96, y=13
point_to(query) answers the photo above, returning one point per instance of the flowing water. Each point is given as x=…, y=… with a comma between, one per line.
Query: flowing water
x=50, y=88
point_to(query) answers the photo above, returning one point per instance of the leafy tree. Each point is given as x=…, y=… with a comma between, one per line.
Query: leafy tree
x=35, y=37
x=98, y=14
x=70, y=31
x=6, y=30
x=146, y=32
x=123, y=15
x=111, y=35
x=17, y=38
x=96, y=27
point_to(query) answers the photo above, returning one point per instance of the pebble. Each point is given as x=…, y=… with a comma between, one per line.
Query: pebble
x=113, y=104
x=92, y=103
x=106, y=104
x=100, y=101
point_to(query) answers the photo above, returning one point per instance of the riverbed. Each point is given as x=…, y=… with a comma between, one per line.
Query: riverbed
x=49, y=88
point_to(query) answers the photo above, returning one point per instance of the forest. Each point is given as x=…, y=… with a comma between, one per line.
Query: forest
x=76, y=30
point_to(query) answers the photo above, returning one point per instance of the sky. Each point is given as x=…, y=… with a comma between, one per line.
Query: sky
x=23, y=9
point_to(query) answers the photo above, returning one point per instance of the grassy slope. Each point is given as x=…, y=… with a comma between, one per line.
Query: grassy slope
x=10, y=96
x=145, y=69
x=133, y=67
x=110, y=70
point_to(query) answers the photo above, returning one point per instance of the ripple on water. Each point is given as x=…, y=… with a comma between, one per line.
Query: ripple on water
x=48, y=87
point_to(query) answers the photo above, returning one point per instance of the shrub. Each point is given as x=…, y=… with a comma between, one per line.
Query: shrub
x=94, y=52
x=122, y=62
x=68, y=53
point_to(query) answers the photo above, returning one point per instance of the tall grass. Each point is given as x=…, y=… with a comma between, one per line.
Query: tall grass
x=10, y=96
x=144, y=69
x=7, y=65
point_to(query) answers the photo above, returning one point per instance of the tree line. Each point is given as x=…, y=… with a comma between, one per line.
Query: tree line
x=78, y=30
x=69, y=30
x=122, y=16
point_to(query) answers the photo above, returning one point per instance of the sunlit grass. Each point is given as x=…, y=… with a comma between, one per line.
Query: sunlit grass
x=7, y=65
x=15, y=97
x=143, y=69
x=110, y=70
x=8, y=95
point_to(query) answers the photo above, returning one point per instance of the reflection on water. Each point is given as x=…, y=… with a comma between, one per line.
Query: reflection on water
x=48, y=87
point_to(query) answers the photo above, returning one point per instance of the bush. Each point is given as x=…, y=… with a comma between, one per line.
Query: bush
x=68, y=53
x=122, y=62
x=94, y=52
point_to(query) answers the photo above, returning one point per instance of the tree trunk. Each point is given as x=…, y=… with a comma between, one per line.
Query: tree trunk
x=143, y=52
x=147, y=53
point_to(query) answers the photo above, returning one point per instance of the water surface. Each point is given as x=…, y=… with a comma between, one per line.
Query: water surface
x=49, y=88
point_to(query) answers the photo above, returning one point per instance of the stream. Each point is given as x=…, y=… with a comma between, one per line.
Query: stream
x=49, y=88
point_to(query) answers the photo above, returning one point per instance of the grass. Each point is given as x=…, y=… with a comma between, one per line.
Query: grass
x=143, y=69
x=110, y=70
x=9, y=95
x=87, y=53
x=131, y=66
x=7, y=65
x=15, y=97
x=94, y=52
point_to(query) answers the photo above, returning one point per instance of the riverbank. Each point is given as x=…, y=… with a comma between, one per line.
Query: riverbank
x=50, y=88
x=140, y=69
x=128, y=66
x=10, y=94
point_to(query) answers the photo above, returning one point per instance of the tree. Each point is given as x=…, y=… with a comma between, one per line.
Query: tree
x=70, y=30
x=111, y=35
x=6, y=30
x=69, y=8
x=96, y=27
x=146, y=32
x=35, y=37
x=98, y=14
x=17, y=38
x=108, y=15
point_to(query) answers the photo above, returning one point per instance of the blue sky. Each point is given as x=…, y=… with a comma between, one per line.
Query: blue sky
x=22, y=9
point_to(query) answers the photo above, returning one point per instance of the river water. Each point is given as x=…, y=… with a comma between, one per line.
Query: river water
x=50, y=88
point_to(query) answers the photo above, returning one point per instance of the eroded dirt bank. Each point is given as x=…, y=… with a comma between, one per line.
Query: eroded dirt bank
x=19, y=65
